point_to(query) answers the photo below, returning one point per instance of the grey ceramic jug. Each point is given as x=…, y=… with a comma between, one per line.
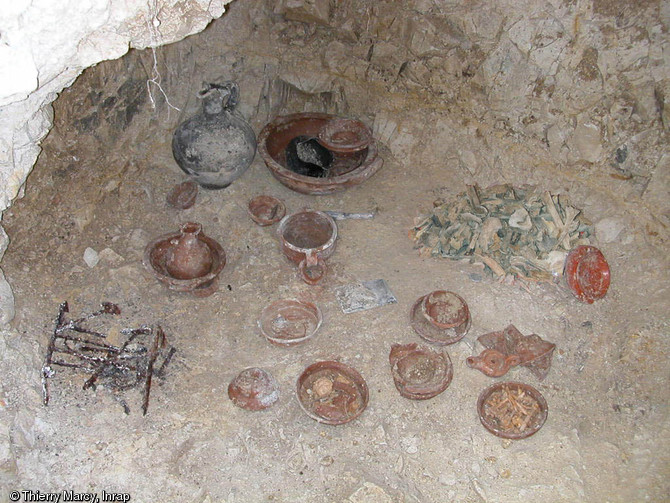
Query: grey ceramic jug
x=215, y=146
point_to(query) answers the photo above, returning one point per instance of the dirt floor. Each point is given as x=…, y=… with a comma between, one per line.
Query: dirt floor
x=607, y=436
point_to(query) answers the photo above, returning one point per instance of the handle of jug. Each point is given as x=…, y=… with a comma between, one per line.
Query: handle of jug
x=312, y=268
x=218, y=97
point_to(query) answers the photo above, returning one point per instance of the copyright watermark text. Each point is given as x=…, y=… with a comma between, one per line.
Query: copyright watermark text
x=67, y=496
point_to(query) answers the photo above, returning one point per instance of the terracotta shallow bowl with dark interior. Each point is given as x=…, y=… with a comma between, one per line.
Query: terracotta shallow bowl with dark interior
x=348, y=169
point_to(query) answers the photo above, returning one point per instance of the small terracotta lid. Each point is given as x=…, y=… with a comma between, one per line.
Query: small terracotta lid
x=266, y=210
x=587, y=273
x=253, y=389
x=183, y=195
x=332, y=392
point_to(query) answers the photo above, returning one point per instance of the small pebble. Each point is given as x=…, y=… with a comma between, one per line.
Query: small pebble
x=91, y=257
x=447, y=479
x=476, y=277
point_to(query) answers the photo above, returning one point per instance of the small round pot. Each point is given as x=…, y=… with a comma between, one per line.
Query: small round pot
x=307, y=238
x=266, y=210
x=420, y=373
x=440, y=317
x=288, y=322
x=253, y=389
x=495, y=426
x=332, y=393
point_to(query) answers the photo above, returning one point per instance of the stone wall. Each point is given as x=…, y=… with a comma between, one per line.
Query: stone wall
x=586, y=82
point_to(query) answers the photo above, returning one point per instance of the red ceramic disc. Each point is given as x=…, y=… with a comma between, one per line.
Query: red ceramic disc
x=587, y=273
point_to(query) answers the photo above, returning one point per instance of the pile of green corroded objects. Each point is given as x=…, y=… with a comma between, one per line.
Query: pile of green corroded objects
x=519, y=231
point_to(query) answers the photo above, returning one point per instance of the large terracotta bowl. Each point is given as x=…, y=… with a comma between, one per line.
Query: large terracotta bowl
x=348, y=169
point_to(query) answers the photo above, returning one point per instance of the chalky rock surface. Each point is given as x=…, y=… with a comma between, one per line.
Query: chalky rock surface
x=46, y=45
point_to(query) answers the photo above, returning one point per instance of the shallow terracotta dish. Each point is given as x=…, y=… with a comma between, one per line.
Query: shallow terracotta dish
x=288, y=322
x=587, y=273
x=440, y=317
x=266, y=210
x=512, y=410
x=346, y=171
x=332, y=392
x=253, y=389
x=420, y=373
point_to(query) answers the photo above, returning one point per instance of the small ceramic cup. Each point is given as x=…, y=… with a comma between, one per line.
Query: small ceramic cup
x=307, y=238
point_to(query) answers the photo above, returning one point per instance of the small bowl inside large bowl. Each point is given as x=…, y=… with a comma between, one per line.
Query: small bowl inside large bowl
x=346, y=171
x=332, y=392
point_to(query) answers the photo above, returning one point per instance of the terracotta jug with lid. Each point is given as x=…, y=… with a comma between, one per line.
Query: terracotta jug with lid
x=190, y=257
